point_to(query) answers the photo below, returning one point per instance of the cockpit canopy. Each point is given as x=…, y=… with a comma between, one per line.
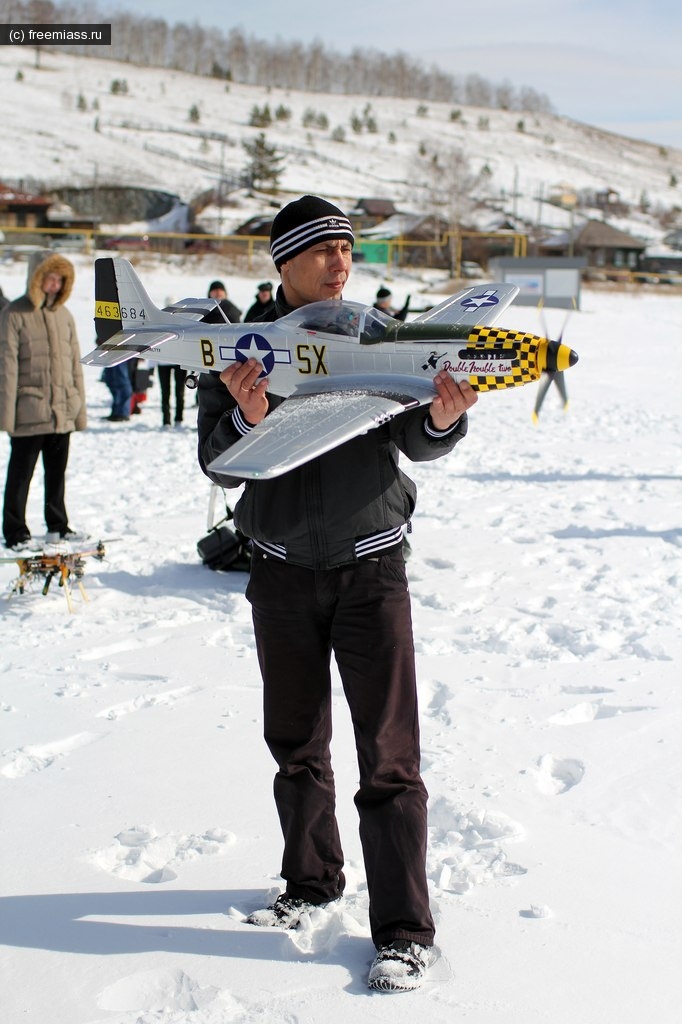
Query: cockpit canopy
x=352, y=320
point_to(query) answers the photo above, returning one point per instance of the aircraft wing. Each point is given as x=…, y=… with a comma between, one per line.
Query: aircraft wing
x=309, y=424
x=479, y=306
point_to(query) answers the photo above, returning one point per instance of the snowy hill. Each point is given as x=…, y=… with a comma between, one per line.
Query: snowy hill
x=66, y=126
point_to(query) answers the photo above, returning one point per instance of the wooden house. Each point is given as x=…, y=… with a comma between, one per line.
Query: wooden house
x=603, y=246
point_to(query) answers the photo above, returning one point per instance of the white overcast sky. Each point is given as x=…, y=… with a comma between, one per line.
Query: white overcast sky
x=612, y=63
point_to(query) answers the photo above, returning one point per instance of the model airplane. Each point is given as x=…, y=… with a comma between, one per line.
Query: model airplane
x=45, y=566
x=346, y=367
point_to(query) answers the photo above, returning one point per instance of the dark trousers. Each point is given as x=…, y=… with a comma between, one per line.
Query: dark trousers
x=24, y=452
x=179, y=375
x=362, y=613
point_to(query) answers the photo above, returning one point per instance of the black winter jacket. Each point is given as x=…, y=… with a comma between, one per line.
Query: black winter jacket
x=232, y=312
x=260, y=311
x=351, y=501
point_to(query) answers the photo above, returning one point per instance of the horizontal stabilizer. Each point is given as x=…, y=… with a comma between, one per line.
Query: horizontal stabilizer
x=194, y=309
x=125, y=346
x=480, y=306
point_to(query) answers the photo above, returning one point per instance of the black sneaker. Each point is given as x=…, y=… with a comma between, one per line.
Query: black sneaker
x=399, y=966
x=285, y=912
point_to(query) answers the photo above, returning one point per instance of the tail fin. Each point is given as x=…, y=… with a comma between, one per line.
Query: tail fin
x=107, y=306
x=121, y=303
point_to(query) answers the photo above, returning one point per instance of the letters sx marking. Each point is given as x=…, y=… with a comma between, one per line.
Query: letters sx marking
x=305, y=355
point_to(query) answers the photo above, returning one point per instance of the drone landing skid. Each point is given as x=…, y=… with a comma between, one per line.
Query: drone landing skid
x=66, y=567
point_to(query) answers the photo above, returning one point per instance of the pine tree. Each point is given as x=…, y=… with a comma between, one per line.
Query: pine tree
x=263, y=170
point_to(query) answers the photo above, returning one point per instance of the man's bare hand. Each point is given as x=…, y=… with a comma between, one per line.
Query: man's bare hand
x=452, y=400
x=243, y=383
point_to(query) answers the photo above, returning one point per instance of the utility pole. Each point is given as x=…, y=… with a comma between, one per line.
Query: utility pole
x=94, y=205
x=220, y=186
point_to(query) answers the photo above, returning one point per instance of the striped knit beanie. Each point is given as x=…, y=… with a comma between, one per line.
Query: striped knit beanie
x=303, y=223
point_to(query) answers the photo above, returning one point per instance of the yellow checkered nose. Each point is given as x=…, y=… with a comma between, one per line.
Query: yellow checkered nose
x=512, y=358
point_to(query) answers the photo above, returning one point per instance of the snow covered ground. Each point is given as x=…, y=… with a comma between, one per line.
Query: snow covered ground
x=137, y=822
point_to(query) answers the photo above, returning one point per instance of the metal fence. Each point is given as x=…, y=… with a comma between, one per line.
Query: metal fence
x=446, y=252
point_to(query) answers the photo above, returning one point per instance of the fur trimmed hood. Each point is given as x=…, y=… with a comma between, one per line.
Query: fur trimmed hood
x=45, y=262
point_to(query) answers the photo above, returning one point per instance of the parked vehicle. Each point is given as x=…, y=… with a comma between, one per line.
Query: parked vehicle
x=471, y=269
x=201, y=245
x=69, y=243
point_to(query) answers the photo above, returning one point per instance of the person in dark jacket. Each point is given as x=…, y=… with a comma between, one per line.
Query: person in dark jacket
x=218, y=291
x=383, y=302
x=263, y=305
x=328, y=574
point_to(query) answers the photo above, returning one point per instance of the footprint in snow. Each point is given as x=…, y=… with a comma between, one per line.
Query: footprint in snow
x=150, y=996
x=166, y=699
x=590, y=711
x=37, y=757
x=143, y=855
x=555, y=775
x=465, y=847
x=434, y=696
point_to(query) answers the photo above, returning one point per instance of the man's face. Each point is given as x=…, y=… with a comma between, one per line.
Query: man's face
x=52, y=283
x=318, y=273
x=217, y=293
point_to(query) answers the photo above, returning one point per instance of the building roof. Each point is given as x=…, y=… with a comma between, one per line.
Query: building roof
x=14, y=197
x=595, y=234
x=416, y=226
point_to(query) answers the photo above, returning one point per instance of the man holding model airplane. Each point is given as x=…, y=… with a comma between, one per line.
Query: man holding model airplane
x=328, y=575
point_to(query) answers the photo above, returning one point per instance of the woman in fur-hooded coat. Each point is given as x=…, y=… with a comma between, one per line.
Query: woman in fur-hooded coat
x=42, y=397
x=41, y=379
